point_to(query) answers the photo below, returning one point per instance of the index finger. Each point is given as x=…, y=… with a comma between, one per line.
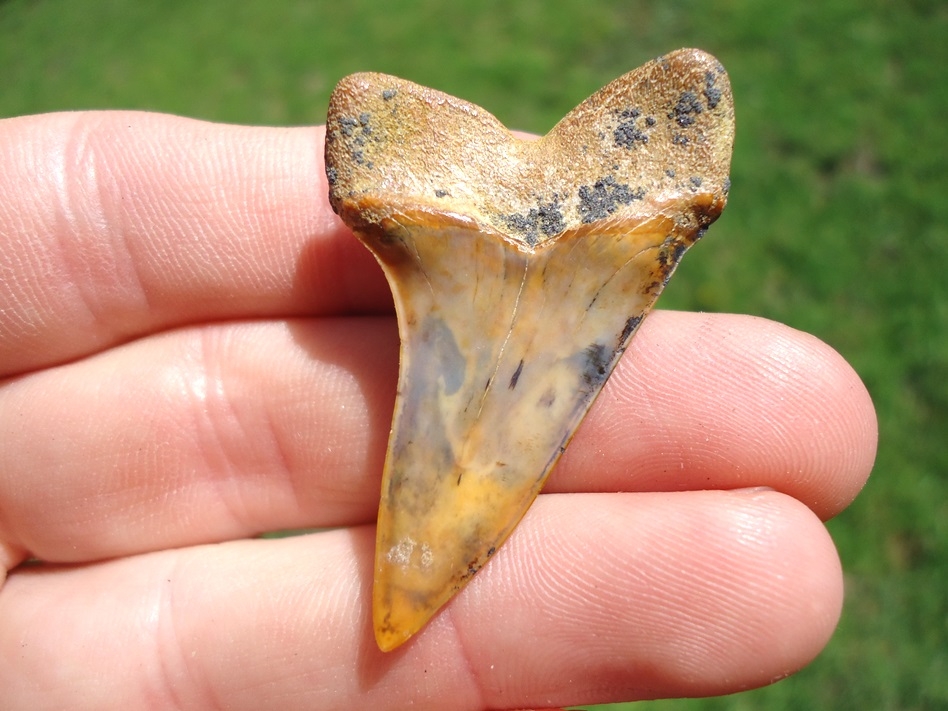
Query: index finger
x=119, y=224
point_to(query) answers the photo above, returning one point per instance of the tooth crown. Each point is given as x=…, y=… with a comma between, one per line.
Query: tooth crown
x=520, y=270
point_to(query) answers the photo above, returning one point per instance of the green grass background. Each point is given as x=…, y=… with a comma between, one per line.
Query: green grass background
x=837, y=223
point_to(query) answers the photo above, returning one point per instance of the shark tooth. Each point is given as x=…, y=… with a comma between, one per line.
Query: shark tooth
x=520, y=269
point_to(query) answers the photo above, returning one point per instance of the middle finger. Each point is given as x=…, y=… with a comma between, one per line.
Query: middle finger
x=225, y=431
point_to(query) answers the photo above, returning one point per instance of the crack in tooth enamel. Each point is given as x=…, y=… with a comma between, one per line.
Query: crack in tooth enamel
x=520, y=270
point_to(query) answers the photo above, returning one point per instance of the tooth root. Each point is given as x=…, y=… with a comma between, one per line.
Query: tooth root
x=510, y=320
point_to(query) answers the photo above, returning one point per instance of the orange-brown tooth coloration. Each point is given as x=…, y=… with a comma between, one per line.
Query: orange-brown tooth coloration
x=520, y=270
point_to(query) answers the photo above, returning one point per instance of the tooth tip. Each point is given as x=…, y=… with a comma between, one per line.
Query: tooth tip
x=397, y=615
x=388, y=639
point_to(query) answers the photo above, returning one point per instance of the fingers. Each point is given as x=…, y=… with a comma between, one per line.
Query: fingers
x=222, y=432
x=199, y=435
x=722, y=401
x=118, y=224
x=620, y=596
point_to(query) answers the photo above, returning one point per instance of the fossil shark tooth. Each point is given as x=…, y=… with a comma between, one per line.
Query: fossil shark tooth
x=520, y=270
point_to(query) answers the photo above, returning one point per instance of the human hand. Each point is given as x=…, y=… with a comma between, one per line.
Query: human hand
x=194, y=350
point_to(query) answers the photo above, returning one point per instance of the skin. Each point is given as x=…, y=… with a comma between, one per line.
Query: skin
x=194, y=350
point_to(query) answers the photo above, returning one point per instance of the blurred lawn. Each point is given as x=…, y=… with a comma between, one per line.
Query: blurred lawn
x=838, y=220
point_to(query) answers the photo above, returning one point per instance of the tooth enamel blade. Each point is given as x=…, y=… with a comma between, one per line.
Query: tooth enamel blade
x=520, y=270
